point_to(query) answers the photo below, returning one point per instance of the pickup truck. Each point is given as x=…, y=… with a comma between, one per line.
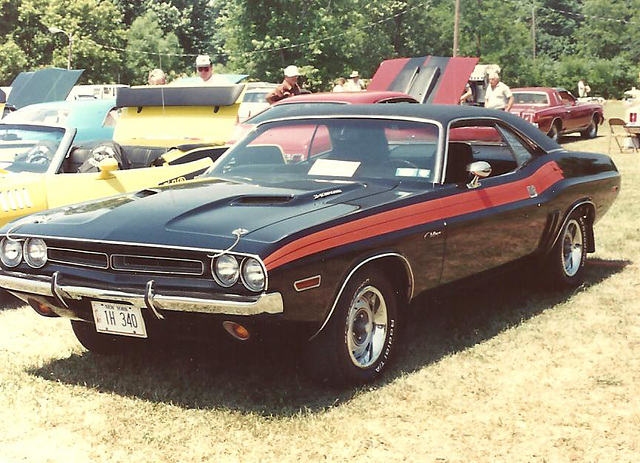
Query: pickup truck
x=556, y=111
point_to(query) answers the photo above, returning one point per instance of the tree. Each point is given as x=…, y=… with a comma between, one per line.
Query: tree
x=148, y=47
x=12, y=61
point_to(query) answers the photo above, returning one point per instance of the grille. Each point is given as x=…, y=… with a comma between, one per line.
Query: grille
x=80, y=258
x=126, y=262
x=129, y=263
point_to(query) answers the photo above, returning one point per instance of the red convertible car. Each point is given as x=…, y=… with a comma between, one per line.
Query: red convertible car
x=556, y=111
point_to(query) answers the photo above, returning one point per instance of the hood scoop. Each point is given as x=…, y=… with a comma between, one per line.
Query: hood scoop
x=146, y=192
x=262, y=200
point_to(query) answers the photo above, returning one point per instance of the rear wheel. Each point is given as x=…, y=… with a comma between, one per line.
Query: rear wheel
x=568, y=256
x=358, y=341
x=592, y=130
x=100, y=343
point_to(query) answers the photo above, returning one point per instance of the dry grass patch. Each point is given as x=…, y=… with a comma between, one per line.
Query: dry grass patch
x=502, y=370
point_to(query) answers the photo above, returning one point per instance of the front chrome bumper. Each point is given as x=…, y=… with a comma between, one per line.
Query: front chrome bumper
x=25, y=284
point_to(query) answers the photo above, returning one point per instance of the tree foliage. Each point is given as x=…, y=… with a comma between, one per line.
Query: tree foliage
x=119, y=41
x=148, y=48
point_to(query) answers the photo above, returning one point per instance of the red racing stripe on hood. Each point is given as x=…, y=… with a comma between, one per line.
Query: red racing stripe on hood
x=415, y=214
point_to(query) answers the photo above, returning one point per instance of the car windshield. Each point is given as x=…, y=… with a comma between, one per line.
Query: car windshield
x=39, y=114
x=350, y=148
x=530, y=98
x=28, y=148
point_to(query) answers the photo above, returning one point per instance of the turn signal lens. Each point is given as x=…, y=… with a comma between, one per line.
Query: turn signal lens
x=35, y=252
x=236, y=330
x=226, y=270
x=253, y=275
x=10, y=252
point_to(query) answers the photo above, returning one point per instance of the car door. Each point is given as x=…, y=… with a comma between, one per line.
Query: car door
x=578, y=116
x=502, y=219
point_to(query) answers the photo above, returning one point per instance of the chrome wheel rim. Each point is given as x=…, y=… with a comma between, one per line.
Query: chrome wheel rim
x=572, y=242
x=367, y=325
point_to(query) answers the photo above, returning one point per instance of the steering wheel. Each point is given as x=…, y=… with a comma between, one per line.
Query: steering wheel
x=398, y=163
x=41, y=153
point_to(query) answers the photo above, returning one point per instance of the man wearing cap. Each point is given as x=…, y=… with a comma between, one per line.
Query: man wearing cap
x=354, y=84
x=288, y=87
x=203, y=66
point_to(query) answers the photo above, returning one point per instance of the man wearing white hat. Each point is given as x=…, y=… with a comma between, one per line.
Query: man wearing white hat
x=203, y=66
x=288, y=87
x=354, y=84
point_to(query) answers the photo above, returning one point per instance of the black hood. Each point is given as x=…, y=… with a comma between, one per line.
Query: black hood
x=205, y=213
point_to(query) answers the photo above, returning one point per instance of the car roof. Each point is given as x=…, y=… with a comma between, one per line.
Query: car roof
x=534, y=89
x=346, y=97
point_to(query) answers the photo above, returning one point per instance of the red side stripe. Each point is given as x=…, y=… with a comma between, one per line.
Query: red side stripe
x=415, y=214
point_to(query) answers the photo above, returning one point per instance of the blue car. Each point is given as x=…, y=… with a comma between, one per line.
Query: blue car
x=93, y=119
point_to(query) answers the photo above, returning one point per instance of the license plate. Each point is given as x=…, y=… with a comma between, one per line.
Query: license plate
x=114, y=318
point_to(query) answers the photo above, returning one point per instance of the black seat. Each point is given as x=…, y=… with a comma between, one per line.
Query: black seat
x=459, y=156
x=260, y=154
x=142, y=156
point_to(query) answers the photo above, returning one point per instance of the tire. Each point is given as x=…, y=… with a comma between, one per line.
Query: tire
x=100, y=343
x=568, y=256
x=554, y=132
x=359, y=340
x=592, y=130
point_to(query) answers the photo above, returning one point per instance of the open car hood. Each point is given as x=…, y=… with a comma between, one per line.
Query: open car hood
x=429, y=79
x=52, y=84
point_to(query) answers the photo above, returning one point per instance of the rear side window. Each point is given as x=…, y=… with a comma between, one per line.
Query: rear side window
x=486, y=141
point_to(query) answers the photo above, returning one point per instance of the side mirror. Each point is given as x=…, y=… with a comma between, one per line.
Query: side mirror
x=479, y=169
x=106, y=166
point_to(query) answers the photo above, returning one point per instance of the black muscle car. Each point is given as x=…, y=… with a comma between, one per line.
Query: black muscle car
x=322, y=225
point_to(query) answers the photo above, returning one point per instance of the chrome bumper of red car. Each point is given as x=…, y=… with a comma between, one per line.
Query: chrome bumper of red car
x=23, y=285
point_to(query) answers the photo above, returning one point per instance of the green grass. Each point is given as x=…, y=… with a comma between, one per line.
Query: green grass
x=503, y=371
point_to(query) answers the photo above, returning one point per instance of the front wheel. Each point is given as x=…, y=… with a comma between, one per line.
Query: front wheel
x=554, y=131
x=100, y=343
x=567, y=258
x=358, y=341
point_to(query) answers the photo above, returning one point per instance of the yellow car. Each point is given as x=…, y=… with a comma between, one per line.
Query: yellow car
x=163, y=134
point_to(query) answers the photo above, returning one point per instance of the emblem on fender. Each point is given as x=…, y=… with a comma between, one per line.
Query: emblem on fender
x=433, y=234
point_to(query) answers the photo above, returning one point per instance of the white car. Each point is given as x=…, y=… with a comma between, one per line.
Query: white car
x=254, y=100
x=632, y=102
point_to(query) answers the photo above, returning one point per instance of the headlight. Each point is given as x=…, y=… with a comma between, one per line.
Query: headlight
x=10, y=252
x=35, y=252
x=226, y=270
x=253, y=275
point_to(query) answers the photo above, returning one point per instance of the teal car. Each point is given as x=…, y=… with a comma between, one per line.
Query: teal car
x=93, y=119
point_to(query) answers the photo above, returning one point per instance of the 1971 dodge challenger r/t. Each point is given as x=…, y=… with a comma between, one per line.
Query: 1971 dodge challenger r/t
x=383, y=203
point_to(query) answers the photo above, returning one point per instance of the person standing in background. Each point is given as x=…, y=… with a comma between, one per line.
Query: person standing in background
x=583, y=89
x=354, y=84
x=203, y=67
x=157, y=77
x=339, y=87
x=288, y=87
x=498, y=95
